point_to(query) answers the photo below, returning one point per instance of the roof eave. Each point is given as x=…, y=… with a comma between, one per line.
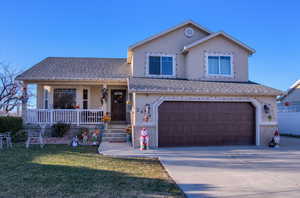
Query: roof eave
x=198, y=93
x=199, y=42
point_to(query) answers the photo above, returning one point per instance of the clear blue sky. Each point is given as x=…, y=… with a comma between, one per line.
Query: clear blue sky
x=33, y=30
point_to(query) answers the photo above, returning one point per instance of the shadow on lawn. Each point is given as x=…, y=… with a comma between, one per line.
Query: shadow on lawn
x=21, y=176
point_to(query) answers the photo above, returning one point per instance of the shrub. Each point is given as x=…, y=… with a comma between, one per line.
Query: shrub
x=60, y=129
x=15, y=126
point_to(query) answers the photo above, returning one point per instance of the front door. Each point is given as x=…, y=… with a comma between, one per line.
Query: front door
x=118, y=105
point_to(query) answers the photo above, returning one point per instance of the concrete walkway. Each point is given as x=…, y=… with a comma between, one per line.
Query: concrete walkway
x=124, y=150
x=237, y=171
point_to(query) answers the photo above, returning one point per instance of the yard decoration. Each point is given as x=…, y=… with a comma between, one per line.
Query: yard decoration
x=85, y=137
x=275, y=140
x=74, y=142
x=95, y=136
x=144, y=139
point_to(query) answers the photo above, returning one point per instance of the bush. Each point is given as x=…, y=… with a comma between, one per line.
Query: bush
x=13, y=125
x=60, y=129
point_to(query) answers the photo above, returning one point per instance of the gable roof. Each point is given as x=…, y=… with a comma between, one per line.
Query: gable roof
x=290, y=90
x=220, y=33
x=172, y=86
x=131, y=47
x=70, y=68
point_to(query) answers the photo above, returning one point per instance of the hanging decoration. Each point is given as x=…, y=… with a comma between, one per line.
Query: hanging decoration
x=266, y=109
x=104, y=95
x=146, y=112
x=286, y=104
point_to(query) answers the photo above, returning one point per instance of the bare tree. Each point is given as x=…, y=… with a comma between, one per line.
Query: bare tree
x=11, y=91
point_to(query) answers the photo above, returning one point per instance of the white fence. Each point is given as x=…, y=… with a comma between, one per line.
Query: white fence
x=70, y=116
x=289, y=122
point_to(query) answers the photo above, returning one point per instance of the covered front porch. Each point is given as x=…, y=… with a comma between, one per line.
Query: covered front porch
x=78, y=102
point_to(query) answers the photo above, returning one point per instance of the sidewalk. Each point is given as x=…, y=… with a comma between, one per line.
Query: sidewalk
x=124, y=150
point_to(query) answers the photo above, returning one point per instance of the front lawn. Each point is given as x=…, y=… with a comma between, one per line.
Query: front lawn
x=62, y=171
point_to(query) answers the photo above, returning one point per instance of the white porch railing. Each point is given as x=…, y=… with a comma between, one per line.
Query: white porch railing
x=69, y=116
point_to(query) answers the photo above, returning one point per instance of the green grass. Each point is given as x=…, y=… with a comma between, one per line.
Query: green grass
x=62, y=171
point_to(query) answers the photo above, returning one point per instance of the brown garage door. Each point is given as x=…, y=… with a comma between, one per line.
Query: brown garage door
x=206, y=123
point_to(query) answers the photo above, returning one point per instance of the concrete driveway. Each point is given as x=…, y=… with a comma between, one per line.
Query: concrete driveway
x=236, y=171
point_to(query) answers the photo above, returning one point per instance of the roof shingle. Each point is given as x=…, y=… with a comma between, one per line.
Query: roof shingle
x=170, y=86
x=62, y=68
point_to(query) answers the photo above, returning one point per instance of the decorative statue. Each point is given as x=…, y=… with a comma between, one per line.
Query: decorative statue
x=85, y=137
x=275, y=140
x=144, y=139
x=95, y=136
x=74, y=142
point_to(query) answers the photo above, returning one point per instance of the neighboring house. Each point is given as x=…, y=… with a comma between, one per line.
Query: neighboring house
x=289, y=110
x=187, y=85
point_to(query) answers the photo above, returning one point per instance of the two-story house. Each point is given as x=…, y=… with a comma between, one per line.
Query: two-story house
x=187, y=85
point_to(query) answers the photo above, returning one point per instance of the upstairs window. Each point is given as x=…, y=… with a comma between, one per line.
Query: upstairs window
x=219, y=65
x=161, y=65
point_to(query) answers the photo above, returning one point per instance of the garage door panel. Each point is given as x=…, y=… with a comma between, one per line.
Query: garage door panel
x=206, y=123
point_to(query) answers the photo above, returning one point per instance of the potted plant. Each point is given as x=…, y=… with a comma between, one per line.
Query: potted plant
x=129, y=134
x=106, y=119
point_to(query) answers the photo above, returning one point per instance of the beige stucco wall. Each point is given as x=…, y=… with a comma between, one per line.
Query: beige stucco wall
x=196, y=68
x=171, y=43
x=192, y=65
x=141, y=99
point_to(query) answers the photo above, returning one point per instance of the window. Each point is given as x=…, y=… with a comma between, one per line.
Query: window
x=161, y=65
x=219, y=65
x=46, y=99
x=64, y=98
x=85, y=98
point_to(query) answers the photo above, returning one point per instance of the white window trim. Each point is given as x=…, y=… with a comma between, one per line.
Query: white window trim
x=161, y=75
x=89, y=97
x=219, y=75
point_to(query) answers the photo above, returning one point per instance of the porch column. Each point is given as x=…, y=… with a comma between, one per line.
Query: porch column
x=24, y=101
x=105, y=103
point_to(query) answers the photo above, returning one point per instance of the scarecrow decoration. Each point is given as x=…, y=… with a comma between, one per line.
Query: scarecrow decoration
x=144, y=139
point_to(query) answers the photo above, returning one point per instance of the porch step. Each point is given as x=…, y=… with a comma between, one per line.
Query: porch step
x=118, y=126
x=114, y=134
x=114, y=139
x=115, y=131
